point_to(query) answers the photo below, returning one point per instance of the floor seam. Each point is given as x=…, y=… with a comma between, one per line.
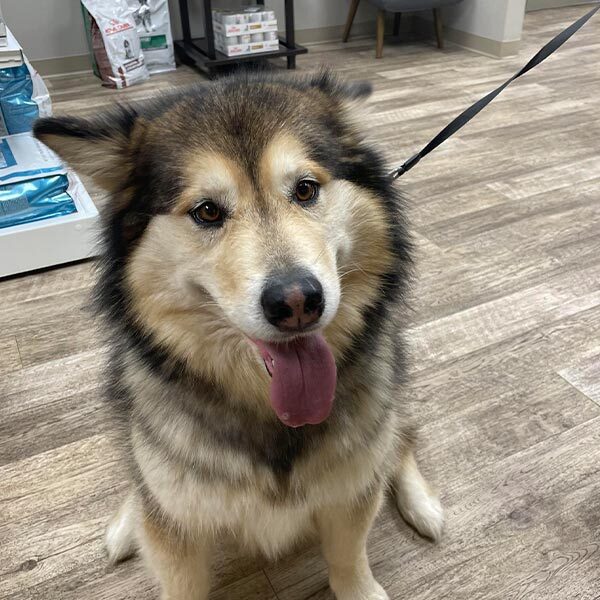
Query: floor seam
x=577, y=389
x=19, y=352
x=264, y=572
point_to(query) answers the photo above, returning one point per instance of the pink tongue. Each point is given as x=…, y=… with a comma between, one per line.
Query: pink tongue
x=303, y=379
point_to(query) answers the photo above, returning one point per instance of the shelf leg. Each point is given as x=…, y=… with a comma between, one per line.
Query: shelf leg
x=210, y=34
x=290, y=38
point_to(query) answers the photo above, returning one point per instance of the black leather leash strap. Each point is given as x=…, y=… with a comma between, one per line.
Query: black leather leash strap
x=474, y=109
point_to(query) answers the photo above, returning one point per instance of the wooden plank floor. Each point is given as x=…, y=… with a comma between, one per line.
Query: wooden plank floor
x=506, y=338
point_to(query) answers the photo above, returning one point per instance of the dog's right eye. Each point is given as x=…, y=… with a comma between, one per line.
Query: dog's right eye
x=207, y=213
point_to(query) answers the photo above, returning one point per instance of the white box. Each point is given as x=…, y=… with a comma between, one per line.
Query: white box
x=11, y=54
x=266, y=46
x=252, y=48
x=52, y=241
x=239, y=29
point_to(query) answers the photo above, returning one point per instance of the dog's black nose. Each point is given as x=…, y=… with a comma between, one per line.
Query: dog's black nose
x=293, y=302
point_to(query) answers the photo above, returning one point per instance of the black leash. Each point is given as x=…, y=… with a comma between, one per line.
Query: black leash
x=474, y=109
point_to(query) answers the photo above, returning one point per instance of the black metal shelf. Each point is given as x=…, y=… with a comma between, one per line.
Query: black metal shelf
x=202, y=54
x=196, y=52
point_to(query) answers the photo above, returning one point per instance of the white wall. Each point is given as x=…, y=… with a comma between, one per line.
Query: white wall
x=54, y=28
x=46, y=28
x=500, y=20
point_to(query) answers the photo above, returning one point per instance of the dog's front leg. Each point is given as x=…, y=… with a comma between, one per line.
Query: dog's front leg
x=344, y=530
x=181, y=563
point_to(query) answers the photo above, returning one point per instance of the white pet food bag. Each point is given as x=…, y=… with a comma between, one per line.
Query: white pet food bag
x=115, y=43
x=154, y=28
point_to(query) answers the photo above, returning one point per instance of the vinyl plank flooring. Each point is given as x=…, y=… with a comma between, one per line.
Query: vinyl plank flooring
x=50, y=327
x=570, y=213
x=44, y=284
x=504, y=325
x=31, y=432
x=493, y=321
x=585, y=376
x=10, y=359
x=499, y=263
x=255, y=587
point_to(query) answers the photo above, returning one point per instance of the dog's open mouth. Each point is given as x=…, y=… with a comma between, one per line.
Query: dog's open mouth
x=303, y=378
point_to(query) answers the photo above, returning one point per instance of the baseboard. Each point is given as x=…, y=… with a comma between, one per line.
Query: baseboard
x=364, y=29
x=543, y=4
x=334, y=33
x=469, y=41
x=62, y=65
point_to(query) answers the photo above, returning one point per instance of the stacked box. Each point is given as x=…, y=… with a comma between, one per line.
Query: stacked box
x=248, y=31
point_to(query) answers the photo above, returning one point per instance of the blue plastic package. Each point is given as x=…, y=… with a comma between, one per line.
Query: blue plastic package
x=33, y=182
x=35, y=200
x=16, y=99
x=23, y=94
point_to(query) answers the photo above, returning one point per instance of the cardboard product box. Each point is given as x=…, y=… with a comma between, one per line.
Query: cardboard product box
x=249, y=31
x=3, y=33
x=251, y=48
x=239, y=29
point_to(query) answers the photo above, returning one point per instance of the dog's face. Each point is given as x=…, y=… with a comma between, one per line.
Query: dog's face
x=242, y=221
x=258, y=241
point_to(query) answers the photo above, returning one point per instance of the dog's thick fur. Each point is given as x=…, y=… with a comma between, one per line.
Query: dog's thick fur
x=209, y=458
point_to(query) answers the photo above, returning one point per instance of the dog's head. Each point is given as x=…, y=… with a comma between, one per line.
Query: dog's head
x=248, y=218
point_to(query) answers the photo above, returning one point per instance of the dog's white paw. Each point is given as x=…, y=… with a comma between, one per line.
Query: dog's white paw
x=119, y=538
x=419, y=506
x=423, y=511
x=371, y=591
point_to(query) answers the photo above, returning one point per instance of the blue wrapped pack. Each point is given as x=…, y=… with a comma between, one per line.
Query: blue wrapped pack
x=23, y=94
x=19, y=110
x=33, y=182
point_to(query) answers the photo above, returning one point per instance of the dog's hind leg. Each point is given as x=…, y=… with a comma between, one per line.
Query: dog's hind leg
x=120, y=533
x=417, y=503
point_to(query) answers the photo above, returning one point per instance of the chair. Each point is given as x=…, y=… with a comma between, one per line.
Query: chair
x=398, y=7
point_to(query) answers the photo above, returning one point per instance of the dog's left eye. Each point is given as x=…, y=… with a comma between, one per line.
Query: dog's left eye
x=306, y=191
x=207, y=213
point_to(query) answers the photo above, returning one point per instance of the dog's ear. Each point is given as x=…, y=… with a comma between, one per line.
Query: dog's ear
x=348, y=92
x=357, y=91
x=102, y=148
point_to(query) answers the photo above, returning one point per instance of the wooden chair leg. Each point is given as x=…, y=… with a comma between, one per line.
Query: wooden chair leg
x=397, y=19
x=350, y=20
x=380, y=32
x=439, y=28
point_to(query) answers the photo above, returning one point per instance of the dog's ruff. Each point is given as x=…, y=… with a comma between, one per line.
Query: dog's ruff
x=200, y=420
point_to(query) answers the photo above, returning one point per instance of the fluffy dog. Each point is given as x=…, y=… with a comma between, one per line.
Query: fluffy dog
x=255, y=265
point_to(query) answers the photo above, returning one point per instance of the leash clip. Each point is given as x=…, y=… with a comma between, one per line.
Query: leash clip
x=407, y=166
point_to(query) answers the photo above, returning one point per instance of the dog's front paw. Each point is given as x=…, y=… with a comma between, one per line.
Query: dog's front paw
x=364, y=591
